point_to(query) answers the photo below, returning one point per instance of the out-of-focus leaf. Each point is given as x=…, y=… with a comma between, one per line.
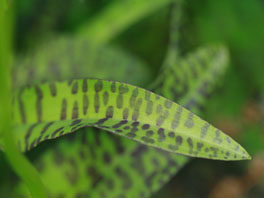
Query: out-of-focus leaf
x=73, y=57
x=195, y=76
x=99, y=164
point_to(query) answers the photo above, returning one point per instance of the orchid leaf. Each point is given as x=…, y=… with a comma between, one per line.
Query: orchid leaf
x=50, y=110
x=195, y=75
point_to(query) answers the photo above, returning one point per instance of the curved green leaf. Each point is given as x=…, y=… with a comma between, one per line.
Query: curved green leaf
x=119, y=108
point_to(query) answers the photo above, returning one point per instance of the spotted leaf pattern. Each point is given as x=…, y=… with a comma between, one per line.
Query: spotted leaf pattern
x=119, y=108
x=99, y=164
x=195, y=75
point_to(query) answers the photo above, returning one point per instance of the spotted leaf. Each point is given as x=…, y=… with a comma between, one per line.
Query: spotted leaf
x=195, y=76
x=119, y=108
x=100, y=163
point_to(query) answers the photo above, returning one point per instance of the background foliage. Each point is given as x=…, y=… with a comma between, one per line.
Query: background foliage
x=236, y=106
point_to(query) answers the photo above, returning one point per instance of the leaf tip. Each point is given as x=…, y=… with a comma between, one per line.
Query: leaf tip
x=247, y=156
x=243, y=154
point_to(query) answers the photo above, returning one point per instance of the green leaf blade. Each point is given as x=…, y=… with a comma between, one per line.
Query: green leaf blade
x=122, y=109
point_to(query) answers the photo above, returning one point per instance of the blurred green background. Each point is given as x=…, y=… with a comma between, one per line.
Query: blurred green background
x=236, y=107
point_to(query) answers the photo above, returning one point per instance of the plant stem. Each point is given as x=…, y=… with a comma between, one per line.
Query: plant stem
x=19, y=163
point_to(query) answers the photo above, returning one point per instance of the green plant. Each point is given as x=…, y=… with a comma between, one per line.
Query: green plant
x=91, y=162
